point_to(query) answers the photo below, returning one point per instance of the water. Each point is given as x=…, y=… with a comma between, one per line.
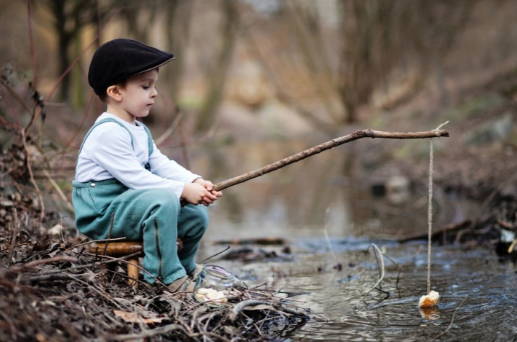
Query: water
x=329, y=211
x=475, y=287
x=478, y=290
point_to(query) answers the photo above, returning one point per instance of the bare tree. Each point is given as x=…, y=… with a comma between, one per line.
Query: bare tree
x=381, y=37
x=374, y=42
x=217, y=73
x=178, y=15
x=139, y=16
x=69, y=19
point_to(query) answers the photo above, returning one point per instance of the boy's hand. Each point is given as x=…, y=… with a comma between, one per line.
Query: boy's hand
x=194, y=193
x=212, y=195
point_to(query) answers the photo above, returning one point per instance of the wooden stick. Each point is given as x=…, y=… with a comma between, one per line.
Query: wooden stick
x=116, y=248
x=380, y=264
x=133, y=272
x=365, y=133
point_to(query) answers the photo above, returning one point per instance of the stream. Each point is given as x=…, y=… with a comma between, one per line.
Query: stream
x=478, y=290
x=330, y=268
x=334, y=279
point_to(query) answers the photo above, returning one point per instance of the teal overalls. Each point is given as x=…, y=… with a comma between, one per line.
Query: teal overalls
x=108, y=209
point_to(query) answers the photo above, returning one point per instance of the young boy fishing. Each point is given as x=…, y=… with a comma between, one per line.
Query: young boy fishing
x=124, y=186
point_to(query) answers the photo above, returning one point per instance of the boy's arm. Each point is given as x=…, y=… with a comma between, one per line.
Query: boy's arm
x=167, y=168
x=170, y=169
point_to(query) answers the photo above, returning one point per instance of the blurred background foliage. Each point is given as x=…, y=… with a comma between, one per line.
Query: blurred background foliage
x=331, y=62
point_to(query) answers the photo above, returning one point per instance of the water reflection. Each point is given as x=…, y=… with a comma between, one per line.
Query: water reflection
x=334, y=191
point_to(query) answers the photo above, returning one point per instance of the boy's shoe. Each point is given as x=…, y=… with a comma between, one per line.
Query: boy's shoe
x=183, y=284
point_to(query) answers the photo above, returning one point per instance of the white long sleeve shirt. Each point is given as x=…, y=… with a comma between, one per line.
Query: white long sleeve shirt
x=108, y=153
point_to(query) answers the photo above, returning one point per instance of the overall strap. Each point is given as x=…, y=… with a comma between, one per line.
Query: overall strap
x=149, y=137
x=104, y=121
x=149, y=140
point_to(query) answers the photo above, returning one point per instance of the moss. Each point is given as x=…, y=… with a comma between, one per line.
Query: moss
x=492, y=131
x=474, y=107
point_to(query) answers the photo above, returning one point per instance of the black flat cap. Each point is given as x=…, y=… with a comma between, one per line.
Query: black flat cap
x=117, y=60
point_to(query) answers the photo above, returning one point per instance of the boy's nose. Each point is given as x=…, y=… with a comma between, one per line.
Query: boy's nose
x=154, y=93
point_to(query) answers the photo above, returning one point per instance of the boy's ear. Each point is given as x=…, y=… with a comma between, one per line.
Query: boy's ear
x=114, y=92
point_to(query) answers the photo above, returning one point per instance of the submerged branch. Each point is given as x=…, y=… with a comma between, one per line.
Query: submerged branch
x=380, y=264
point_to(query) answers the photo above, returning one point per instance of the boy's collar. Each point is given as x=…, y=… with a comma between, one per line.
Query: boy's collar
x=115, y=116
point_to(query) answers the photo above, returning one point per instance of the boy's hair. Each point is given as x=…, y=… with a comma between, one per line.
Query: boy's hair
x=116, y=61
x=104, y=95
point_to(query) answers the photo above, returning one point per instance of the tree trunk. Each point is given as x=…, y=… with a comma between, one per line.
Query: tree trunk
x=177, y=31
x=58, y=7
x=218, y=78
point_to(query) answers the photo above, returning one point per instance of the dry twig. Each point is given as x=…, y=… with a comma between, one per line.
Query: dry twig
x=380, y=263
x=452, y=319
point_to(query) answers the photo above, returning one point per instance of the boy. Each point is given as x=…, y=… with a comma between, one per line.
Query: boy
x=124, y=186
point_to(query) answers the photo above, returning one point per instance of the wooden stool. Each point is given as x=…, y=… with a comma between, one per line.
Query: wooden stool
x=124, y=248
x=121, y=249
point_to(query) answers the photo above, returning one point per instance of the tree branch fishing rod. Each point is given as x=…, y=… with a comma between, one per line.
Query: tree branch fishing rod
x=355, y=135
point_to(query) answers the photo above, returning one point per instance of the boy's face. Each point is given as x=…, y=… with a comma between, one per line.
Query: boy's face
x=139, y=94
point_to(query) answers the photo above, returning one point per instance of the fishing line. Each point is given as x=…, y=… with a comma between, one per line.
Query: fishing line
x=430, y=208
x=429, y=215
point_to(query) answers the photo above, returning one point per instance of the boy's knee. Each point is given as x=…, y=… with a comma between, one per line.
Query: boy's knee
x=163, y=197
x=199, y=217
x=202, y=216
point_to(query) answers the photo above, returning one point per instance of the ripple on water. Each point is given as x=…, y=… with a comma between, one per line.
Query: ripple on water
x=479, y=291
